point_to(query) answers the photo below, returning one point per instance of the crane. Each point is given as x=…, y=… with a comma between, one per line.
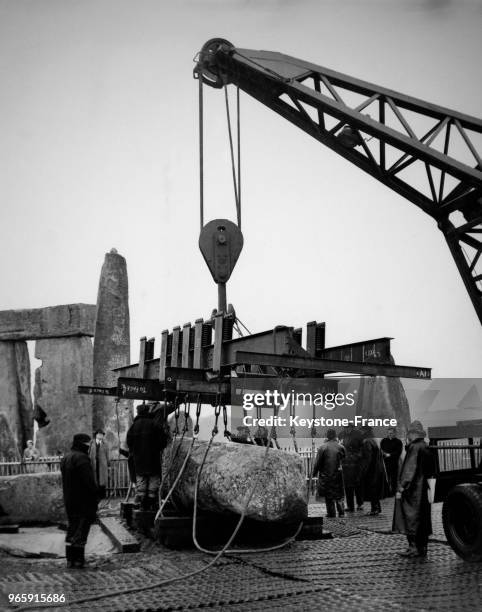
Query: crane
x=314, y=99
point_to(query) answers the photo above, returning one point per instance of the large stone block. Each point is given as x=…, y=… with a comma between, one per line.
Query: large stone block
x=50, y=322
x=16, y=415
x=31, y=498
x=66, y=364
x=231, y=471
x=111, y=345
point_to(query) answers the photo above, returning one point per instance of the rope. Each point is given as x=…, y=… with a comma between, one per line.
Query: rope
x=176, y=480
x=162, y=503
x=218, y=555
x=225, y=549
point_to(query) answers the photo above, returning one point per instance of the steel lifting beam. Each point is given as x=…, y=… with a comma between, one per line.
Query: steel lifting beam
x=315, y=99
x=331, y=365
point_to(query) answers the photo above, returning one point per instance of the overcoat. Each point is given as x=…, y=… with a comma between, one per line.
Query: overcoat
x=78, y=484
x=352, y=461
x=146, y=440
x=373, y=470
x=99, y=457
x=328, y=466
x=414, y=508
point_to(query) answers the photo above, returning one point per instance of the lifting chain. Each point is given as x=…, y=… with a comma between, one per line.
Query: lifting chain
x=198, y=414
x=177, y=411
x=217, y=412
x=227, y=433
x=187, y=410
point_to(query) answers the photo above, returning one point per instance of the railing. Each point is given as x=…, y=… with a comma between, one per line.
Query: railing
x=459, y=454
x=117, y=472
x=452, y=455
x=11, y=467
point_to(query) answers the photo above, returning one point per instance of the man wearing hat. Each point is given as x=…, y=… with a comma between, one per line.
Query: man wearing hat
x=415, y=520
x=80, y=498
x=328, y=468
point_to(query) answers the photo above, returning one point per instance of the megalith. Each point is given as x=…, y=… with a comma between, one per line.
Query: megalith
x=16, y=415
x=111, y=346
x=66, y=364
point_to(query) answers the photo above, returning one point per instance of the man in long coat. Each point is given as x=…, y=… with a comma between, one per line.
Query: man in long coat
x=373, y=471
x=146, y=440
x=352, y=441
x=392, y=449
x=414, y=507
x=99, y=457
x=80, y=498
x=330, y=478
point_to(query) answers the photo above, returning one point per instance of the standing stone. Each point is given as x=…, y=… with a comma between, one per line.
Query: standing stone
x=66, y=364
x=111, y=346
x=16, y=416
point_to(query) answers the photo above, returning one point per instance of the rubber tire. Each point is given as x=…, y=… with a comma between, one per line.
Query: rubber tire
x=462, y=521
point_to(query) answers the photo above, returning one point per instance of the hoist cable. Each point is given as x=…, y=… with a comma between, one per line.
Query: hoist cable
x=238, y=138
x=201, y=152
x=233, y=163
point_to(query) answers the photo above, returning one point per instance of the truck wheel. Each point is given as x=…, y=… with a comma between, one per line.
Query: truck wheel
x=462, y=521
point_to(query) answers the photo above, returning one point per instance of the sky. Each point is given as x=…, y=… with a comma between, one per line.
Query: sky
x=99, y=149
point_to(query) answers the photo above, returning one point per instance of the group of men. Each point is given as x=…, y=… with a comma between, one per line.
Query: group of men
x=84, y=476
x=357, y=468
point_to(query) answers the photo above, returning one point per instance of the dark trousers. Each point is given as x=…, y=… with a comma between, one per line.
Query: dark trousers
x=332, y=505
x=375, y=505
x=420, y=540
x=391, y=468
x=352, y=493
x=77, y=530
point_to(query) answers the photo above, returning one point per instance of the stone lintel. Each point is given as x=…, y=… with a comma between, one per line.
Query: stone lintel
x=49, y=322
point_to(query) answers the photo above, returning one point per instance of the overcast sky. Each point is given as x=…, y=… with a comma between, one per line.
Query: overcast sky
x=99, y=149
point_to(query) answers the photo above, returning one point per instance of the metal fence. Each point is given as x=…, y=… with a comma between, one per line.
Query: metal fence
x=450, y=457
x=117, y=473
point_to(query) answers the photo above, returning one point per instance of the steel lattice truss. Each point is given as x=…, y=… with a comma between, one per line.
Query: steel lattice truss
x=424, y=152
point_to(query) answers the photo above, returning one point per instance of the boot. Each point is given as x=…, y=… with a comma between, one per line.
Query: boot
x=340, y=506
x=78, y=556
x=68, y=555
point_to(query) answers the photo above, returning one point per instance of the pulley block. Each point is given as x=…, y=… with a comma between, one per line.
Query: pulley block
x=220, y=243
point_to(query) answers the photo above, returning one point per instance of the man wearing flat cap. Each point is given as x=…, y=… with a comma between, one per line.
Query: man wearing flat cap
x=413, y=515
x=80, y=498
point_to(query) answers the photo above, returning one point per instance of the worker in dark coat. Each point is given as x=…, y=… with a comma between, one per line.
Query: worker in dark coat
x=391, y=448
x=329, y=471
x=80, y=498
x=352, y=440
x=417, y=467
x=146, y=440
x=373, y=471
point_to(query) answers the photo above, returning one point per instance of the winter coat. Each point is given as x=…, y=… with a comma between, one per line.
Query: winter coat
x=352, y=442
x=394, y=447
x=78, y=484
x=417, y=466
x=372, y=470
x=328, y=465
x=146, y=440
x=99, y=457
